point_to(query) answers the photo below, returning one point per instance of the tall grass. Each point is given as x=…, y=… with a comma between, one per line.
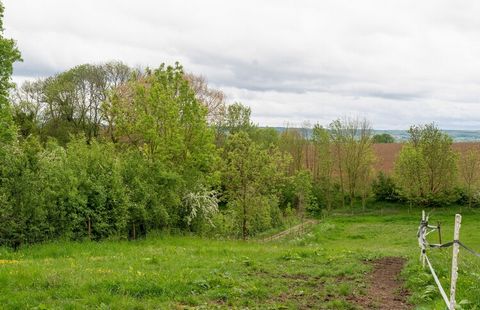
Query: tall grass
x=320, y=269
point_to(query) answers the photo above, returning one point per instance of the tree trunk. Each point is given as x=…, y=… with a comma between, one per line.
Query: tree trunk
x=244, y=224
x=342, y=188
x=364, y=201
x=470, y=194
x=89, y=225
x=328, y=198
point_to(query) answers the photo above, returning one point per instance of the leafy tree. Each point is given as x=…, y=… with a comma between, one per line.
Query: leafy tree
x=163, y=118
x=303, y=192
x=352, y=140
x=237, y=118
x=293, y=142
x=426, y=167
x=324, y=167
x=265, y=137
x=212, y=99
x=21, y=212
x=70, y=102
x=100, y=207
x=154, y=193
x=8, y=55
x=59, y=192
x=469, y=165
x=250, y=174
x=28, y=102
x=383, y=138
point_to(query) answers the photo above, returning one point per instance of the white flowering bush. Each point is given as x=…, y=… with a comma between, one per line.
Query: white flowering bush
x=201, y=205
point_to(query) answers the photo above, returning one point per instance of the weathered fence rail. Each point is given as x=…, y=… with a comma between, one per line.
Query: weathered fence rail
x=295, y=230
x=423, y=231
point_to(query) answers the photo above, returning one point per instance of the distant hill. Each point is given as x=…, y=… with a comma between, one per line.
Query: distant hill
x=402, y=135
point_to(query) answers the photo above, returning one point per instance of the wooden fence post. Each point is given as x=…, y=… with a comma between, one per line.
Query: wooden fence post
x=456, y=248
x=422, y=250
x=439, y=233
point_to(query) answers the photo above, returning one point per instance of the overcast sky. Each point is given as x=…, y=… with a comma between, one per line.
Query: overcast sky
x=394, y=62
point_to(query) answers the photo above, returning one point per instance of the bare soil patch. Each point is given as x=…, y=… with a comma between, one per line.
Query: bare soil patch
x=301, y=292
x=384, y=289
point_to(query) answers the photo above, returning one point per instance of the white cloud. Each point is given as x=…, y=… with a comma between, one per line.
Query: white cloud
x=395, y=62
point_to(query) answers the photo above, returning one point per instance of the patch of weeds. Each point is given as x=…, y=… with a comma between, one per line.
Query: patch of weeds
x=290, y=256
x=154, y=260
x=53, y=281
x=356, y=237
x=338, y=304
x=201, y=286
x=256, y=292
x=344, y=289
x=247, y=262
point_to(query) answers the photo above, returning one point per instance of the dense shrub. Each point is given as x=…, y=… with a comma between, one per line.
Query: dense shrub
x=325, y=197
x=384, y=188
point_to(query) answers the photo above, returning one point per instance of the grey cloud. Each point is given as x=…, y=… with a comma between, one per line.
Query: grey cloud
x=397, y=62
x=33, y=67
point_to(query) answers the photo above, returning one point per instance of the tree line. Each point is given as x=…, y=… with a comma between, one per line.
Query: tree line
x=108, y=151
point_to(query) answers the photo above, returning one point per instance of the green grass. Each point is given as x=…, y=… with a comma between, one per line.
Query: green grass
x=320, y=269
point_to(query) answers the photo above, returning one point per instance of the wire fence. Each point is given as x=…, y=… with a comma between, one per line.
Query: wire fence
x=423, y=231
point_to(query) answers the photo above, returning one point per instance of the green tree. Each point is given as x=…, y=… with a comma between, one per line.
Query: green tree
x=383, y=138
x=236, y=118
x=158, y=115
x=70, y=102
x=101, y=200
x=352, y=140
x=469, y=165
x=293, y=142
x=21, y=212
x=426, y=167
x=266, y=136
x=250, y=174
x=28, y=102
x=8, y=55
x=154, y=193
x=324, y=164
x=303, y=192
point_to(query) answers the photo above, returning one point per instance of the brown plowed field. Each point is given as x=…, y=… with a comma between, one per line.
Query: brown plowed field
x=386, y=153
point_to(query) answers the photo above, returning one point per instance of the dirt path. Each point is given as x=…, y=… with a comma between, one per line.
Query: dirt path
x=384, y=289
x=292, y=230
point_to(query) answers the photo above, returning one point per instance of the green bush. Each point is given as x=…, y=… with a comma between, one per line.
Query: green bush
x=384, y=188
x=463, y=197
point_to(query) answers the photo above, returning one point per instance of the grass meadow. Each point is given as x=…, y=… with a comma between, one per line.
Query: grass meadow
x=321, y=269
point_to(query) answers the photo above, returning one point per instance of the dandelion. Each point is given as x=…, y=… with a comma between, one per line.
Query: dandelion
x=8, y=261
